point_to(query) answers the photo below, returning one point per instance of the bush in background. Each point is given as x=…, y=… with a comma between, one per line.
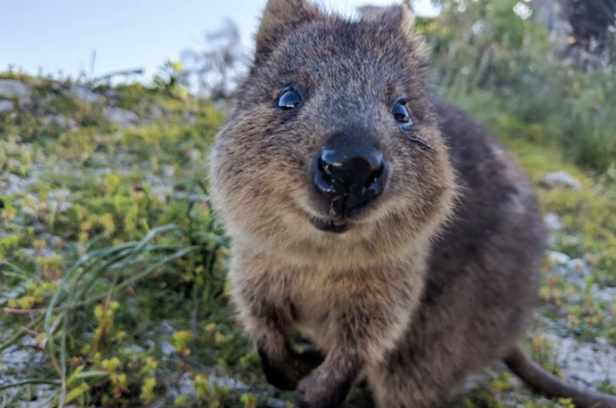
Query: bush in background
x=495, y=49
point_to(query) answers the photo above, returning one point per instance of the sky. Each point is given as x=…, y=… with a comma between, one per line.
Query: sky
x=62, y=35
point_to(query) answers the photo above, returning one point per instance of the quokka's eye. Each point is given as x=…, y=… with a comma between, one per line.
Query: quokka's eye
x=401, y=114
x=290, y=98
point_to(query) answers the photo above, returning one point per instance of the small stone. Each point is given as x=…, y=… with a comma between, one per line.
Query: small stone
x=169, y=171
x=189, y=119
x=11, y=88
x=561, y=180
x=553, y=222
x=557, y=258
x=167, y=348
x=606, y=294
x=121, y=117
x=578, y=265
x=133, y=349
x=156, y=112
x=6, y=106
x=193, y=154
x=60, y=121
x=85, y=94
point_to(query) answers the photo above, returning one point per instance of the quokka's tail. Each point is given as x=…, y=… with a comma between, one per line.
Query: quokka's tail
x=547, y=384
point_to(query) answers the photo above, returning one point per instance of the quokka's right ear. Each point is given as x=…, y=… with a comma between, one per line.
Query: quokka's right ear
x=279, y=18
x=397, y=15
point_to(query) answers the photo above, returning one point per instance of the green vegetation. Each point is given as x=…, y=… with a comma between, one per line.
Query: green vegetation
x=491, y=48
x=112, y=263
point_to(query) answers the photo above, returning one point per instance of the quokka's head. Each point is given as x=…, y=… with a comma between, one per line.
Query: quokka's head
x=332, y=149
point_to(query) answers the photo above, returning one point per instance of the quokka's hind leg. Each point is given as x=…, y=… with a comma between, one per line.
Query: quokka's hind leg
x=411, y=380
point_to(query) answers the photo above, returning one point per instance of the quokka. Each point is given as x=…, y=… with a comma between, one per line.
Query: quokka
x=382, y=222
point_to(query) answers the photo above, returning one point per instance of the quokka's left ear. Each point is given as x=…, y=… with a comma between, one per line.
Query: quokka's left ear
x=279, y=19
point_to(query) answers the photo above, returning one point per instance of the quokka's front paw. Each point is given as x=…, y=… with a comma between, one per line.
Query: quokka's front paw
x=321, y=391
x=286, y=373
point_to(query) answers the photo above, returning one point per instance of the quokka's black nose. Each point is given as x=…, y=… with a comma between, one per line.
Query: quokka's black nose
x=349, y=175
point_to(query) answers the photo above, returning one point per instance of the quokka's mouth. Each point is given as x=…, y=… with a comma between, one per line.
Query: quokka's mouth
x=336, y=226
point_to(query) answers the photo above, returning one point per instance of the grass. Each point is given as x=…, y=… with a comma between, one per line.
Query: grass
x=112, y=263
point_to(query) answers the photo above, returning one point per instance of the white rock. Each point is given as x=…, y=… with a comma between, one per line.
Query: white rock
x=561, y=180
x=553, y=222
x=85, y=94
x=169, y=171
x=167, y=348
x=156, y=112
x=578, y=266
x=606, y=294
x=570, y=240
x=60, y=121
x=557, y=258
x=121, y=117
x=6, y=106
x=133, y=349
x=11, y=88
x=38, y=253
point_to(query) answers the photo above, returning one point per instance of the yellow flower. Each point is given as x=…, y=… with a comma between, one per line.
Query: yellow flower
x=147, y=391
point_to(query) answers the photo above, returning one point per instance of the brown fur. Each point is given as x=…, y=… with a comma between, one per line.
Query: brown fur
x=434, y=279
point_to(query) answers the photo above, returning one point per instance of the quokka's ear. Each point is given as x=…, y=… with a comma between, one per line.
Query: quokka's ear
x=399, y=15
x=281, y=17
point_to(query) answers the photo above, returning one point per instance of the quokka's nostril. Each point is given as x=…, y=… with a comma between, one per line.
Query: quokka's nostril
x=376, y=175
x=321, y=177
x=324, y=169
